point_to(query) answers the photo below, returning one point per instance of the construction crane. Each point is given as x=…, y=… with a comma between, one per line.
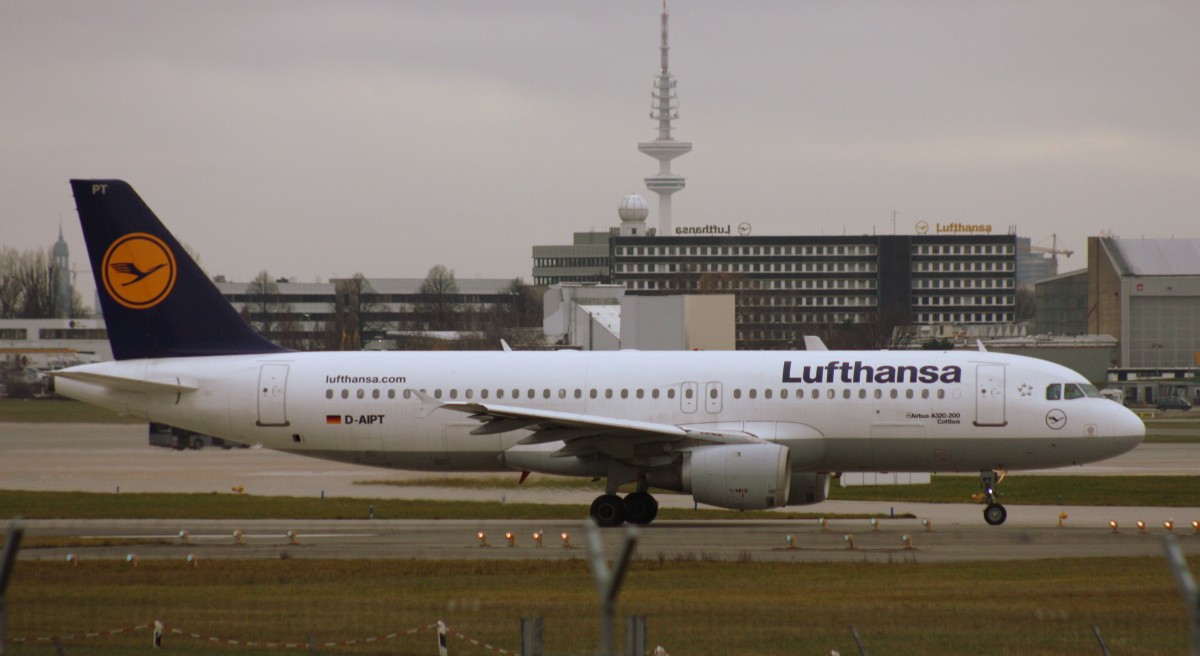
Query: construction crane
x=1054, y=252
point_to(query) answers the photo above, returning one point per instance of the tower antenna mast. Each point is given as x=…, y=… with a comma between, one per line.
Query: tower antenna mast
x=664, y=109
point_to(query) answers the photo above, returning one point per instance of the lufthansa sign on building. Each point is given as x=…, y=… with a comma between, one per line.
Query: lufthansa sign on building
x=713, y=229
x=941, y=228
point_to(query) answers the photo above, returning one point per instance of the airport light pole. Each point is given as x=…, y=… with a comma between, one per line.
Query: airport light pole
x=16, y=528
x=1187, y=587
x=608, y=582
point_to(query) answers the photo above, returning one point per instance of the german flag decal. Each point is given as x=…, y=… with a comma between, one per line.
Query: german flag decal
x=333, y=419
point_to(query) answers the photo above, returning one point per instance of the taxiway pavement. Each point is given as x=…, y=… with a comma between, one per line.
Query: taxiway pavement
x=108, y=458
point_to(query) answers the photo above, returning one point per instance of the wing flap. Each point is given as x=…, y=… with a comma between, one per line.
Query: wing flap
x=586, y=434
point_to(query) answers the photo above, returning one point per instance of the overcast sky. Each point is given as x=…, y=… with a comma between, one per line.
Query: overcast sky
x=319, y=139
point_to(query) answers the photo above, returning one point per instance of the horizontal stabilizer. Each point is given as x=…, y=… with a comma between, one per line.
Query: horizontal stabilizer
x=123, y=384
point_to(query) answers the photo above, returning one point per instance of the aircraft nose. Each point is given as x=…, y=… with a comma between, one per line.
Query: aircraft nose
x=1128, y=427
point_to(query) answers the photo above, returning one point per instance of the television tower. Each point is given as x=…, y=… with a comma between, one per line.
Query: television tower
x=664, y=148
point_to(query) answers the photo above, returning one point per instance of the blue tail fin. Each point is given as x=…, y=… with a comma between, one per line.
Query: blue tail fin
x=156, y=300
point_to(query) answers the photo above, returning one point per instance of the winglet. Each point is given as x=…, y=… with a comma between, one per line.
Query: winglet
x=505, y=346
x=982, y=348
x=814, y=343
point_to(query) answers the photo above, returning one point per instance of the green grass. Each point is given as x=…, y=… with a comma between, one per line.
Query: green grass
x=59, y=411
x=691, y=607
x=1169, y=491
x=1031, y=490
x=90, y=505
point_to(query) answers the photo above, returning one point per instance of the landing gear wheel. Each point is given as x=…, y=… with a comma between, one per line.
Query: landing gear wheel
x=640, y=508
x=608, y=510
x=994, y=514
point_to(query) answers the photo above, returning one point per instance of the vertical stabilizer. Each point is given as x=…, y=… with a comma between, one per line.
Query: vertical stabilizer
x=157, y=302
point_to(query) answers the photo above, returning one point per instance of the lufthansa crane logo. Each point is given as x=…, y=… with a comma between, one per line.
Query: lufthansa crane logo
x=139, y=271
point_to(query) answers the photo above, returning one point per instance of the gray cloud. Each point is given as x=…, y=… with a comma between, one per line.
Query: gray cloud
x=316, y=139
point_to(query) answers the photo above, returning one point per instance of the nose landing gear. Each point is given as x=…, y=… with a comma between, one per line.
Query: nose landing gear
x=994, y=514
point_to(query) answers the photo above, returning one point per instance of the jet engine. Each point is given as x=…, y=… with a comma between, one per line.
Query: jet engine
x=808, y=487
x=739, y=476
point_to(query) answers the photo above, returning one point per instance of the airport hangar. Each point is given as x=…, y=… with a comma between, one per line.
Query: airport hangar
x=1146, y=294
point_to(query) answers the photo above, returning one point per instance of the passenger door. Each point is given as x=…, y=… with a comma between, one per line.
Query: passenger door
x=989, y=395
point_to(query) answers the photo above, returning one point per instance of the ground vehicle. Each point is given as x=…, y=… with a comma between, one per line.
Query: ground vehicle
x=1173, y=403
x=179, y=439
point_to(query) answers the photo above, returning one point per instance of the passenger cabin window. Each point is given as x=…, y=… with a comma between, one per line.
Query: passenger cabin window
x=329, y=394
x=1053, y=392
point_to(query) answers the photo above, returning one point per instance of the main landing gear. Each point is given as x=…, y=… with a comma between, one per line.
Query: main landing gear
x=994, y=513
x=636, y=508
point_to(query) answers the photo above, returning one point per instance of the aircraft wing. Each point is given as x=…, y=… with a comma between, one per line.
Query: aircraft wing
x=121, y=383
x=587, y=434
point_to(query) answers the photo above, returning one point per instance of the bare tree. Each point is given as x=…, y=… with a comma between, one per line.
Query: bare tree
x=1026, y=304
x=356, y=314
x=437, y=307
x=265, y=308
x=28, y=288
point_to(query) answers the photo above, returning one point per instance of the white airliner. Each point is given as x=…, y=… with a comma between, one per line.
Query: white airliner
x=744, y=430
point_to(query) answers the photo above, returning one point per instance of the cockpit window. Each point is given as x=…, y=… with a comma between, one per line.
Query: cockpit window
x=1070, y=391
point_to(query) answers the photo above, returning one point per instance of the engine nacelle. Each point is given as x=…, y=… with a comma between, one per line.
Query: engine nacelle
x=739, y=476
x=540, y=458
x=808, y=487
